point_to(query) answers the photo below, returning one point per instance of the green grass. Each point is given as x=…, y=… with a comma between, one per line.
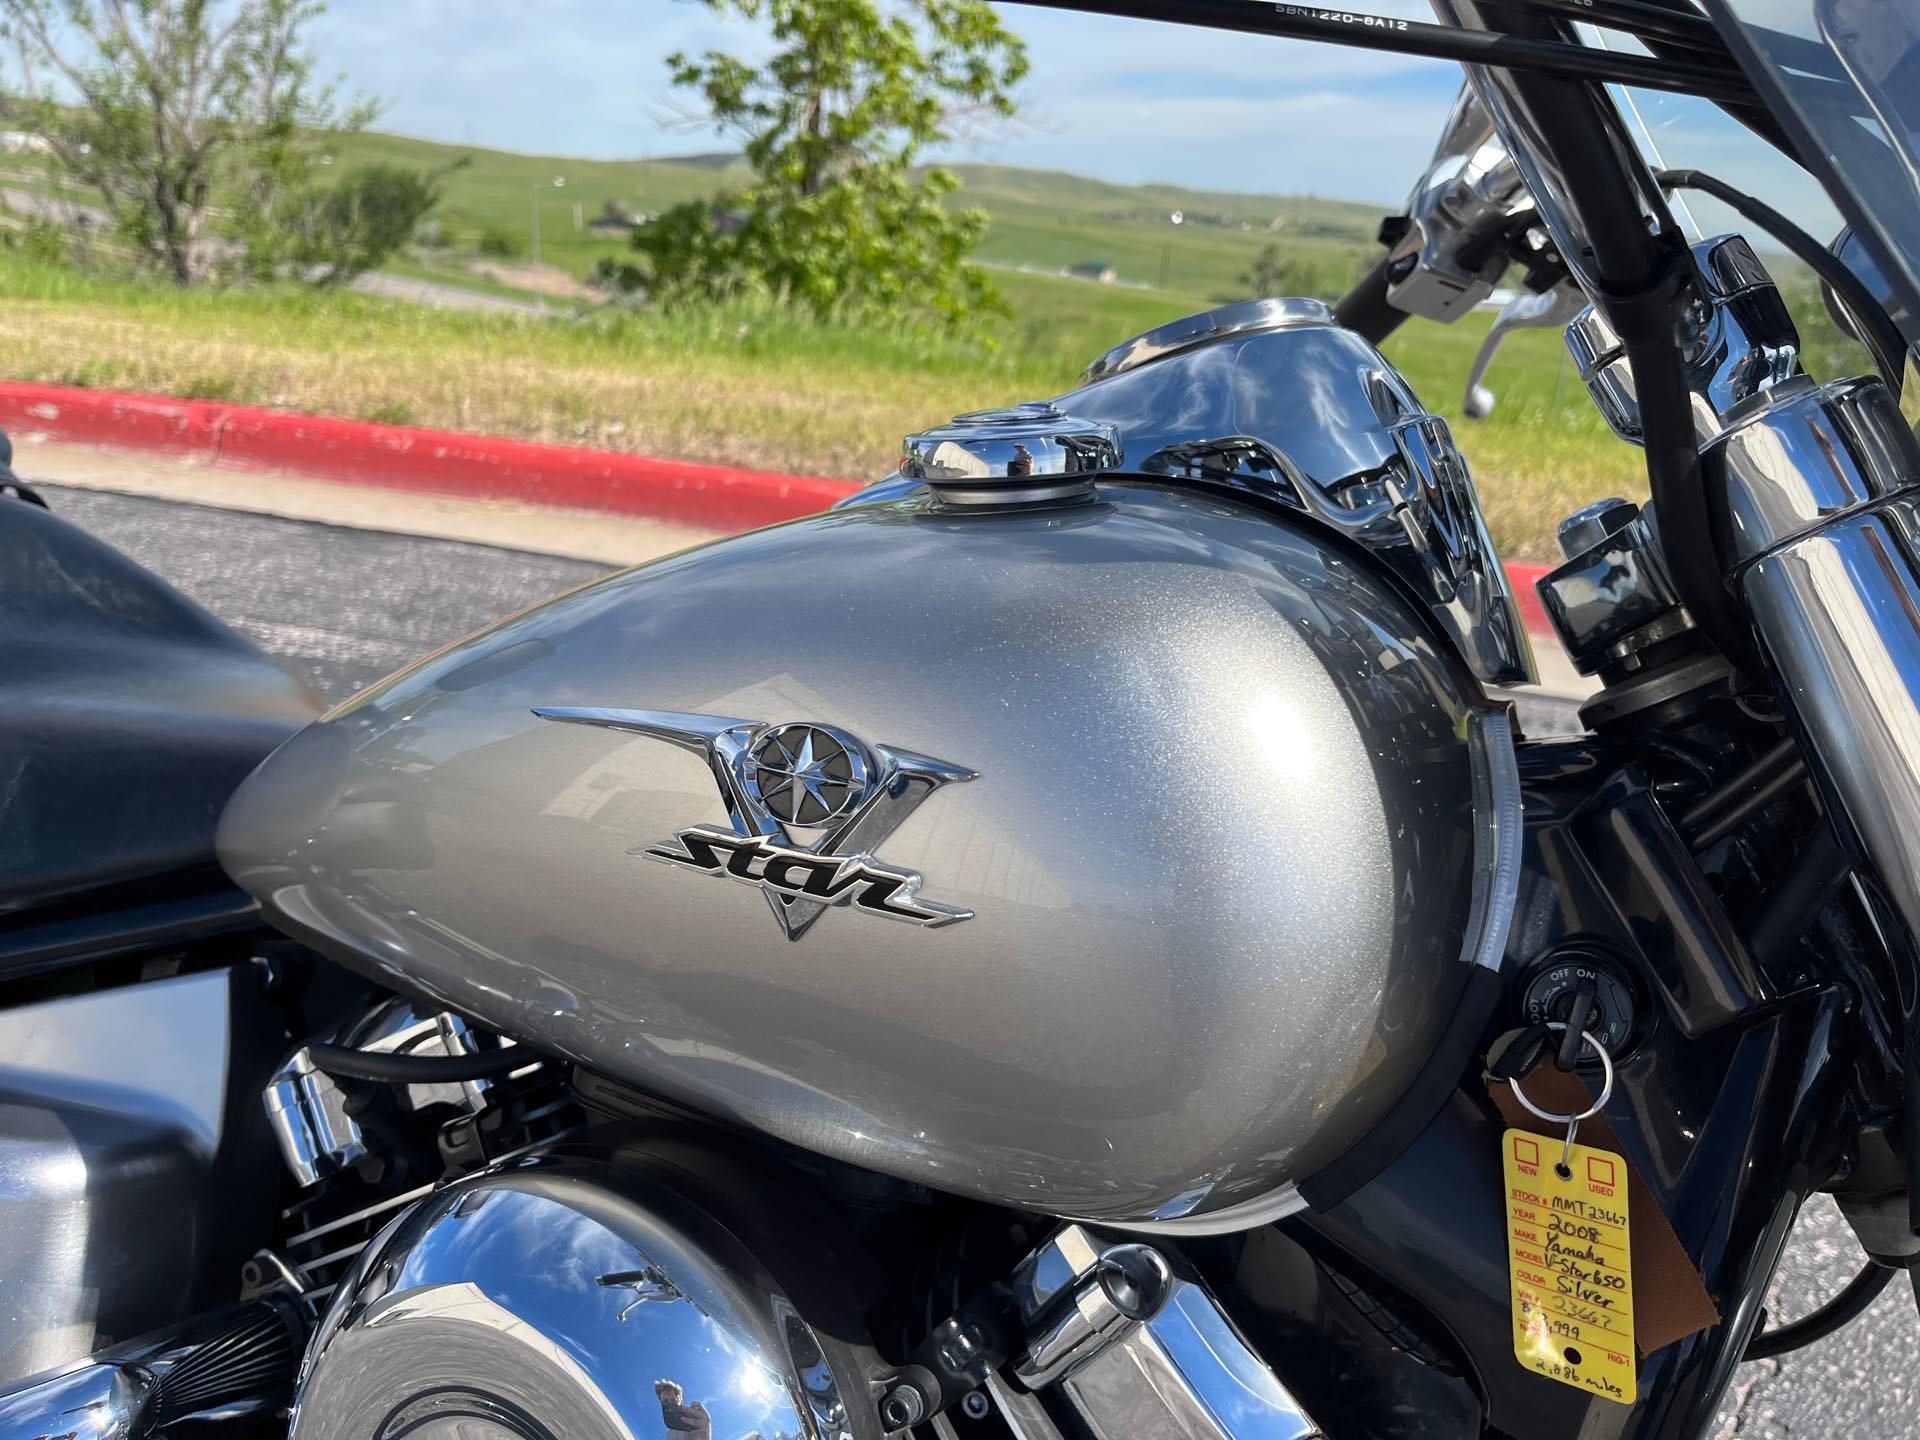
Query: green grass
x=744, y=385
x=1045, y=219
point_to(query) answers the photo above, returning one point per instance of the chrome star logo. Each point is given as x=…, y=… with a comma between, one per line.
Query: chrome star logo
x=804, y=776
x=807, y=774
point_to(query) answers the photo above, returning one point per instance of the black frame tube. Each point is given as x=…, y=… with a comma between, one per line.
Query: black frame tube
x=1438, y=42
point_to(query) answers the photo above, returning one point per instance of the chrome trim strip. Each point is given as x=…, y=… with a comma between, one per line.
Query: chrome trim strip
x=1248, y=1214
x=1241, y=318
x=1496, y=846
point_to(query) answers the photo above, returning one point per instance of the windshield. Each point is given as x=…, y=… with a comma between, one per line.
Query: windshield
x=1848, y=75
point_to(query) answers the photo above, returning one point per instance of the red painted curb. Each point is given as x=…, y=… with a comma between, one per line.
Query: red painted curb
x=405, y=457
x=447, y=462
x=1524, y=579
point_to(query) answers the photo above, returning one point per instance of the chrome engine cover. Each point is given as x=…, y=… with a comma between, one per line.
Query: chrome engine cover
x=554, y=1299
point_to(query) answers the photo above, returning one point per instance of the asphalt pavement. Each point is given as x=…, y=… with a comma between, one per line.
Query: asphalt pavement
x=344, y=607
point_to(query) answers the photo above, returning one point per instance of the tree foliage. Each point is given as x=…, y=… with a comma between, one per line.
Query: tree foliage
x=1264, y=272
x=839, y=218
x=201, y=128
x=370, y=214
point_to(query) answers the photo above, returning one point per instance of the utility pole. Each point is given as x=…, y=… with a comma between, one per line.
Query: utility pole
x=539, y=276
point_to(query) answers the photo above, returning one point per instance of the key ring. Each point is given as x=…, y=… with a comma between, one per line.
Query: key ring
x=1572, y=1122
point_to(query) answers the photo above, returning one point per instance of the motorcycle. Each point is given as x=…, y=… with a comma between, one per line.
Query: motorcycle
x=1176, y=1000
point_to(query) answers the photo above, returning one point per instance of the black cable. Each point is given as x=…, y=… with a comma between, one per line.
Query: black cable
x=1775, y=774
x=1716, y=81
x=385, y=1068
x=1642, y=21
x=1876, y=328
x=1860, y=1292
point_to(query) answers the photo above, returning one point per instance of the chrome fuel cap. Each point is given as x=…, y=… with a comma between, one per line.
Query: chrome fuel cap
x=1023, y=455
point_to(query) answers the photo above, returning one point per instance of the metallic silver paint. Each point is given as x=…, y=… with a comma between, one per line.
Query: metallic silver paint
x=1272, y=398
x=552, y=1301
x=1221, y=850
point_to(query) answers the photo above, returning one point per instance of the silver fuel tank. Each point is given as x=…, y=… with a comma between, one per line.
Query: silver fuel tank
x=1123, y=853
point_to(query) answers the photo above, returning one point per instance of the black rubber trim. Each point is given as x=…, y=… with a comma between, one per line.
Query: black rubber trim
x=1432, y=1087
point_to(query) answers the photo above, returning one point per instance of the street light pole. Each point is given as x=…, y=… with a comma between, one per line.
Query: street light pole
x=539, y=277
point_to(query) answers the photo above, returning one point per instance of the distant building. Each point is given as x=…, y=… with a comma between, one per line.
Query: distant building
x=1098, y=270
x=17, y=140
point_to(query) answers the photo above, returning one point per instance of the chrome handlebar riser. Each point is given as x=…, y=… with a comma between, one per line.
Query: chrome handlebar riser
x=1743, y=343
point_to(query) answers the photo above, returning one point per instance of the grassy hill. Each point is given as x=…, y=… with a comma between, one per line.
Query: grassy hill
x=1042, y=219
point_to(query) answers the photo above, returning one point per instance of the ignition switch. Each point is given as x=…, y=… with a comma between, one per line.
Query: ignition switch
x=1581, y=981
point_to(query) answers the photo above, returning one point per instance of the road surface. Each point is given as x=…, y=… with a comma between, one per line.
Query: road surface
x=344, y=607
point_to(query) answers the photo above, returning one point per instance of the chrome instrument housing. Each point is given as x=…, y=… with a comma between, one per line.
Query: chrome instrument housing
x=1276, y=400
x=563, y=1298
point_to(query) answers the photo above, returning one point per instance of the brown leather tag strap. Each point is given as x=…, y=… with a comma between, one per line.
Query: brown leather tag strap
x=1670, y=1300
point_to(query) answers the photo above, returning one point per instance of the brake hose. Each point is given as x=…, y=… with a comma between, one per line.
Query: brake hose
x=1877, y=330
x=1860, y=1292
x=384, y=1068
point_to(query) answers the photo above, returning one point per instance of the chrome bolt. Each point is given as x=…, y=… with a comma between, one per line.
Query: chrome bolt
x=904, y=1405
x=976, y=1405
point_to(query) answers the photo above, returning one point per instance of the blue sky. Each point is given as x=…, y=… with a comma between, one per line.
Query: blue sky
x=1123, y=100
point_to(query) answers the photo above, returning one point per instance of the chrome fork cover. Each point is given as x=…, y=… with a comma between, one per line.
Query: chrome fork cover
x=549, y=1302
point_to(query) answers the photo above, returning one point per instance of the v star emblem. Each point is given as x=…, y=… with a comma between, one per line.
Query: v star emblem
x=807, y=776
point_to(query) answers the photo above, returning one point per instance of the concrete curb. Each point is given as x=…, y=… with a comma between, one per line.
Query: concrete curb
x=447, y=462
x=405, y=457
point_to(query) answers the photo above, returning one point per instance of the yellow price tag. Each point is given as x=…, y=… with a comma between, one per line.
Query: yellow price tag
x=1567, y=1252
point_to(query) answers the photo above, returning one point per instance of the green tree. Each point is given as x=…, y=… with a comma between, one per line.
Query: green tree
x=163, y=107
x=839, y=218
x=367, y=217
x=1264, y=272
